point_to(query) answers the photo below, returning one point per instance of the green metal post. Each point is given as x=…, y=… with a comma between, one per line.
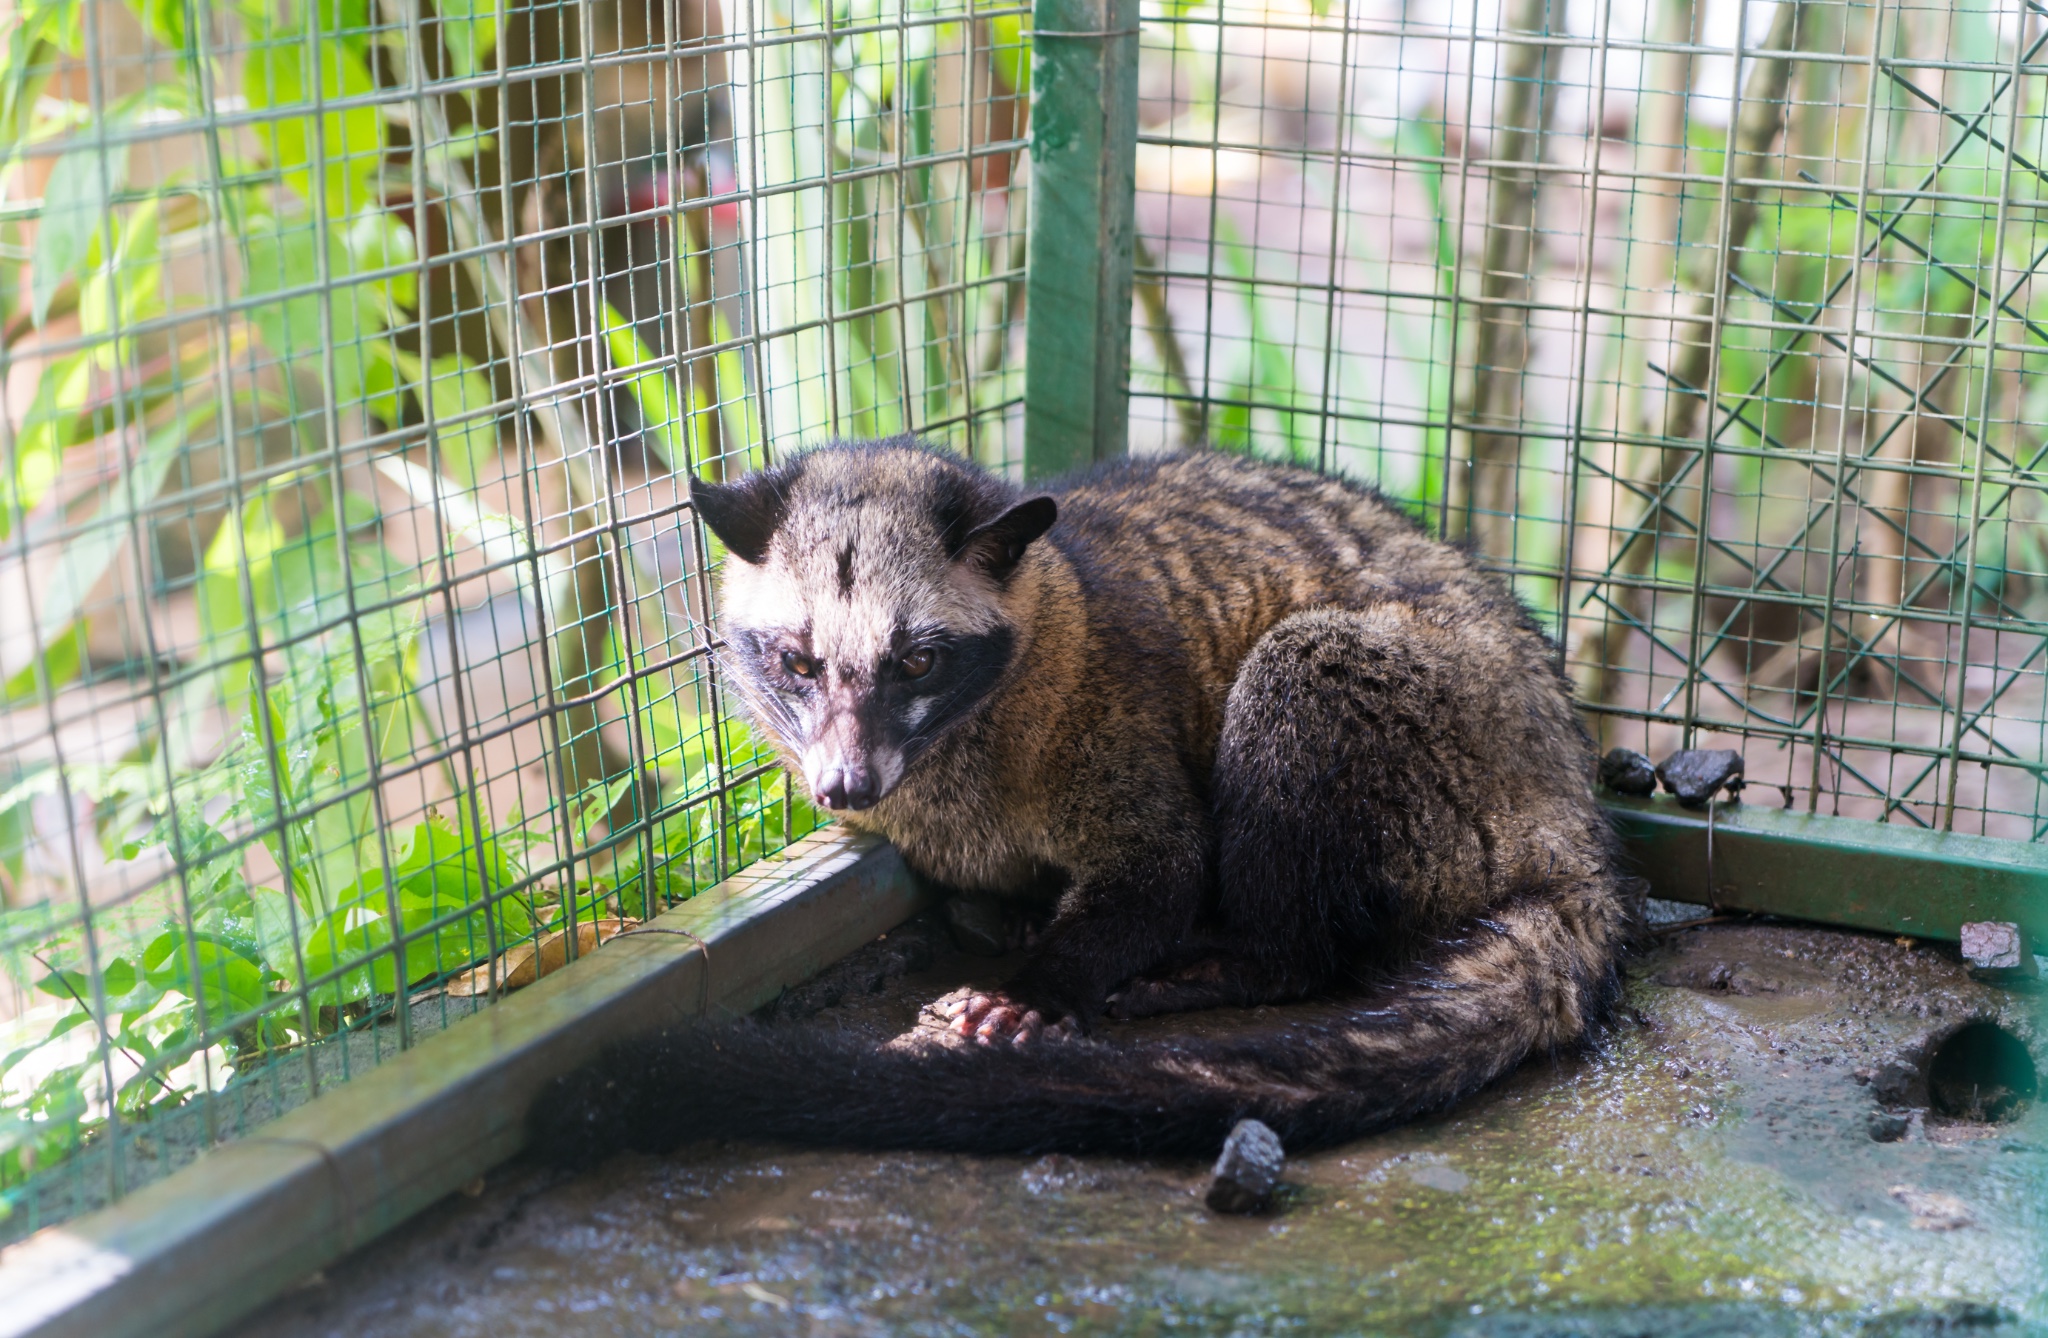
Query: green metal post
x=1084, y=129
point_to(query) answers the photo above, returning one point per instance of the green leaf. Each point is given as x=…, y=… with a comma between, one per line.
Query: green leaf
x=262, y=760
x=165, y=21
x=78, y=1017
x=435, y=849
x=228, y=985
x=347, y=146
x=17, y=828
x=48, y=428
x=446, y=947
x=70, y=986
x=125, y=988
x=12, y=261
x=75, y=206
x=40, y=27
x=380, y=240
x=597, y=800
x=1230, y=421
x=661, y=408
x=88, y=555
x=470, y=32
x=1271, y=375
x=459, y=393
x=443, y=886
x=272, y=930
x=341, y=943
x=1010, y=52
x=127, y=292
x=60, y=661
x=742, y=425
x=285, y=256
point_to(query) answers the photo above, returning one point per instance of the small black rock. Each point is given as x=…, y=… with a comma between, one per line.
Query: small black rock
x=1696, y=774
x=1248, y=1170
x=1626, y=771
x=1889, y=1126
x=1899, y=1082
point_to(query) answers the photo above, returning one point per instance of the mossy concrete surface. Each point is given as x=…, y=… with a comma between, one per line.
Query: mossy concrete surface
x=1748, y=1153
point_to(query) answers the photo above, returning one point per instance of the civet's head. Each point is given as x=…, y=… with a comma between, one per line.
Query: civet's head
x=866, y=605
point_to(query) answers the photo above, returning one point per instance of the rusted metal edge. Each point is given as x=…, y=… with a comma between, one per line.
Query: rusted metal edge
x=1843, y=871
x=207, y=1245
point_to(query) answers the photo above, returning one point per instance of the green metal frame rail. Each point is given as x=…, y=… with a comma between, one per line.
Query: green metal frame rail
x=1842, y=871
x=1084, y=147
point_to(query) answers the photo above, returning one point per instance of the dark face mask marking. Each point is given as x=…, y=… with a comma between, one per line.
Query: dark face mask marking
x=890, y=710
x=964, y=670
x=873, y=718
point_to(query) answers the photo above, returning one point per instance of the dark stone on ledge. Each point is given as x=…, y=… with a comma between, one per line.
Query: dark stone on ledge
x=1626, y=771
x=1697, y=774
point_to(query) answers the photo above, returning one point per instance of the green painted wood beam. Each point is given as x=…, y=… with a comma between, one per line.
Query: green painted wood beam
x=199, y=1249
x=1842, y=871
x=1084, y=137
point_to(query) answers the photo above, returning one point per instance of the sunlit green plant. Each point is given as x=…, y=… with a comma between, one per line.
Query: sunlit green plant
x=271, y=900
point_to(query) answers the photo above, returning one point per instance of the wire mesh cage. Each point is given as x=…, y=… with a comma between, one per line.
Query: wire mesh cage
x=1711, y=325
x=356, y=636
x=356, y=645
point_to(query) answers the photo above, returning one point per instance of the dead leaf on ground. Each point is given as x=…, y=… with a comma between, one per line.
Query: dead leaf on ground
x=518, y=967
x=759, y=1293
x=1933, y=1210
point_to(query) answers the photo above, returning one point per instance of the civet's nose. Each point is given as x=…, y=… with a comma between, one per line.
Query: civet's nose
x=846, y=785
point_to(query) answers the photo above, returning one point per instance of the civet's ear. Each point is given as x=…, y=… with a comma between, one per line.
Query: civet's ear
x=744, y=515
x=997, y=547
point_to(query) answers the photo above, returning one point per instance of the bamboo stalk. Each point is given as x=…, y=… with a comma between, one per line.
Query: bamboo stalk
x=1882, y=575
x=577, y=590
x=690, y=249
x=1647, y=282
x=1757, y=129
x=1506, y=282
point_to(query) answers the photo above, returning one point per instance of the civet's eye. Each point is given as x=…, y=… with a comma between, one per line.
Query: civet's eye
x=803, y=666
x=916, y=664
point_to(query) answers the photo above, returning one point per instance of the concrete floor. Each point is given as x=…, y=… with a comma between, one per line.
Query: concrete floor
x=1724, y=1165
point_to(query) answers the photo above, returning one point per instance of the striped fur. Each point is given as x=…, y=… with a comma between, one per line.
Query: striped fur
x=1253, y=735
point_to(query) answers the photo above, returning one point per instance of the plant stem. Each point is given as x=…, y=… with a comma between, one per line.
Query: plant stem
x=1506, y=282
x=1151, y=290
x=1757, y=129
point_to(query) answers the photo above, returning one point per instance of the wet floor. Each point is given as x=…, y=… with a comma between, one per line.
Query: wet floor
x=1756, y=1150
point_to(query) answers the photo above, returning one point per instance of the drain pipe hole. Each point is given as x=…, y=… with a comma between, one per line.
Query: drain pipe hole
x=1981, y=1072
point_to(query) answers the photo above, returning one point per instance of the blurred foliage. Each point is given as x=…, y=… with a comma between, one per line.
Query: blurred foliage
x=271, y=899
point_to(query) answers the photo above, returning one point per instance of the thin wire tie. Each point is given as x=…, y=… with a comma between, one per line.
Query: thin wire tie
x=1084, y=33
x=703, y=948
x=328, y=1157
x=1713, y=888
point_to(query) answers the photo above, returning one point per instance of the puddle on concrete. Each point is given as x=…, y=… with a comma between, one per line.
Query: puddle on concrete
x=1713, y=1170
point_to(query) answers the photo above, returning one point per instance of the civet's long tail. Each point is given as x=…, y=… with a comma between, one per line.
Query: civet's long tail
x=1530, y=978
